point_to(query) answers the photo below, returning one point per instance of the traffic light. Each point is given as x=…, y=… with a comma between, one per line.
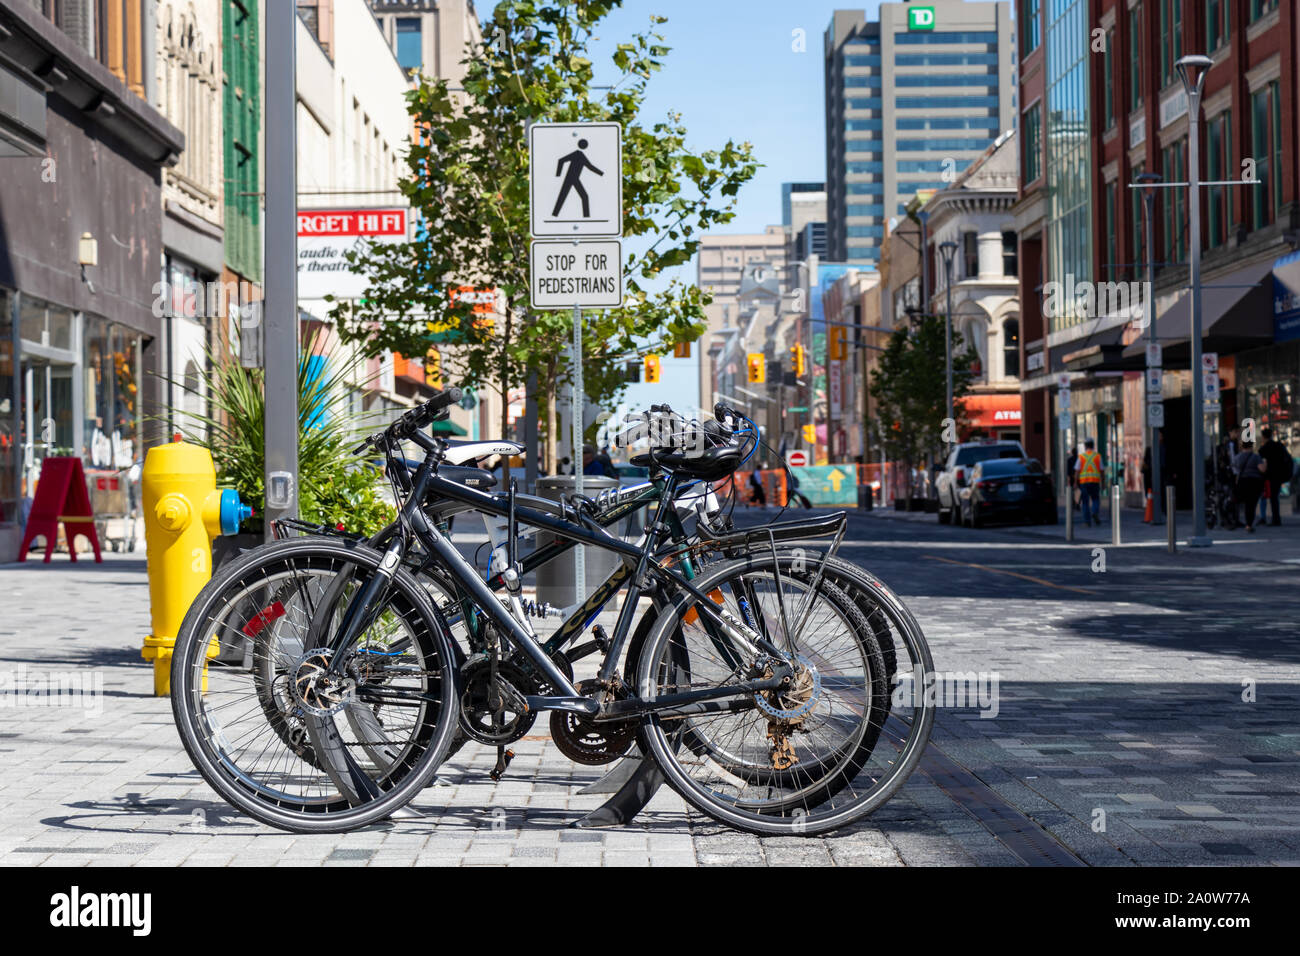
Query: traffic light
x=837, y=342
x=652, y=369
x=433, y=369
x=799, y=366
x=810, y=434
x=757, y=369
x=682, y=350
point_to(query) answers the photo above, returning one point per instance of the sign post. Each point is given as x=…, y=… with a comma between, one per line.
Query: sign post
x=575, y=196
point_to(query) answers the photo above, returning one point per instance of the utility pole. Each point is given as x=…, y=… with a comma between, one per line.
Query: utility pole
x=1153, y=441
x=949, y=249
x=1192, y=70
x=280, y=271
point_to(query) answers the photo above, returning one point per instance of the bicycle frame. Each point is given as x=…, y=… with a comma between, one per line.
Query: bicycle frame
x=427, y=482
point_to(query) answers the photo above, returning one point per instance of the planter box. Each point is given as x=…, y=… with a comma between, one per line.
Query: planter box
x=230, y=546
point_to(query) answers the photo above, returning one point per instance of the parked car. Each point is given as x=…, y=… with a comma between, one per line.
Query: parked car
x=956, y=470
x=1007, y=489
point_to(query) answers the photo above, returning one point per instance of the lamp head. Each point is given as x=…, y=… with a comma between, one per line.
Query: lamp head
x=1147, y=181
x=1191, y=70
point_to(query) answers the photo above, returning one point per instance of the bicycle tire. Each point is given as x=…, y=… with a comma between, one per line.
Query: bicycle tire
x=819, y=812
x=355, y=795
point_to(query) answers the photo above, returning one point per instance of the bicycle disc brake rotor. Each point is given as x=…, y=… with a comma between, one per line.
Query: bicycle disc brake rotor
x=786, y=710
x=586, y=741
x=315, y=690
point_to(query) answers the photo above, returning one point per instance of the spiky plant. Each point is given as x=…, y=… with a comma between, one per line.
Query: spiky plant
x=333, y=487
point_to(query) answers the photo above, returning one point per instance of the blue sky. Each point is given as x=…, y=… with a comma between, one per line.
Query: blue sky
x=733, y=74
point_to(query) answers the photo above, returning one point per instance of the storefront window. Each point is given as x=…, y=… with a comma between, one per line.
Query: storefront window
x=9, y=446
x=112, y=395
x=45, y=324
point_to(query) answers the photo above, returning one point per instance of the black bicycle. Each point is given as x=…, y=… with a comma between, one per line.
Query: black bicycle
x=761, y=687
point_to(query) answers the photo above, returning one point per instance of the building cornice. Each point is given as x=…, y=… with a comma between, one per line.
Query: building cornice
x=35, y=45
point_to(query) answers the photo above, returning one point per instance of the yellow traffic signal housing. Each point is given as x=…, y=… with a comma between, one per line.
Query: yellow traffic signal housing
x=652, y=369
x=810, y=434
x=837, y=344
x=757, y=368
x=682, y=350
x=433, y=369
x=798, y=353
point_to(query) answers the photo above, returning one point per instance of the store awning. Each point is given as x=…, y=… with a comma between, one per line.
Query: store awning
x=1236, y=314
x=993, y=411
x=447, y=427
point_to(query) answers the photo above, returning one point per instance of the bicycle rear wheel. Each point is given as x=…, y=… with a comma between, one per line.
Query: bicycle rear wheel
x=278, y=736
x=826, y=752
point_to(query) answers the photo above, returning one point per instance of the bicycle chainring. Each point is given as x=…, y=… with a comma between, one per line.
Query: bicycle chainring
x=479, y=720
x=587, y=741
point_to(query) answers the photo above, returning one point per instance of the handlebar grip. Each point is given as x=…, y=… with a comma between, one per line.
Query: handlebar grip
x=661, y=409
x=426, y=414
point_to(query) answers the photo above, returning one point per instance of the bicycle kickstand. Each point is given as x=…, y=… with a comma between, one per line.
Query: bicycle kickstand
x=504, y=757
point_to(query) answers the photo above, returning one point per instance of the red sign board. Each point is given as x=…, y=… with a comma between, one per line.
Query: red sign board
x=797, y=459
x=351, y=222
x=61, y=497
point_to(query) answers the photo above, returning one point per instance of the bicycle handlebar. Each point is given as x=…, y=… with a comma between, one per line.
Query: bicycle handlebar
x=414, y=420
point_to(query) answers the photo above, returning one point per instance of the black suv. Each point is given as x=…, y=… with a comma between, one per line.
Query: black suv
x=956, y=471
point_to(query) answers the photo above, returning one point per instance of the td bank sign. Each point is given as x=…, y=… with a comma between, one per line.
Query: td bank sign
x=920, y=18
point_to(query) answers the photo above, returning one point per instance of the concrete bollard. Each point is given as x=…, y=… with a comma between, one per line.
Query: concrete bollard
x=1115, y=493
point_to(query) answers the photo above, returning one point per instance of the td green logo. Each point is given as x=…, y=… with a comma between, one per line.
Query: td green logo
x=920, y=18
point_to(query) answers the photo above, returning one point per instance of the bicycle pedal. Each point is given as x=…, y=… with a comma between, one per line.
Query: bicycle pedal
x=601, y=638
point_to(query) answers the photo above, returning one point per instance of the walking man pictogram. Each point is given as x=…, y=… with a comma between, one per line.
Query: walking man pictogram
x=576, y=161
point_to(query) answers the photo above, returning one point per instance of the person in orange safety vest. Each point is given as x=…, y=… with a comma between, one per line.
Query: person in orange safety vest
x=1087, y=472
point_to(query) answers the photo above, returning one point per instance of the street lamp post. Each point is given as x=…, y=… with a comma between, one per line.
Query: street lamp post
x=949, y=250
x=1148, y=204
x=1192, y=71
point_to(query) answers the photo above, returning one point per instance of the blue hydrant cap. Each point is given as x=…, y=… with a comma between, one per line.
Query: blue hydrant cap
x=233, y=511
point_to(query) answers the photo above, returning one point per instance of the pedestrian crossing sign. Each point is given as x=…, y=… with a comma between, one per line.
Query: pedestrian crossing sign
x=575, y=180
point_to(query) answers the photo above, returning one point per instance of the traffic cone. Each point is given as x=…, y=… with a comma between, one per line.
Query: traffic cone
x=1148, y=515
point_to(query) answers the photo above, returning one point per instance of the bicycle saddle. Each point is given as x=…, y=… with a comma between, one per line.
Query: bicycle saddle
x=712, y=464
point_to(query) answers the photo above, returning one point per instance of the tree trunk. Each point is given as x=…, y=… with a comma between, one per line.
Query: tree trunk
x=552, y=454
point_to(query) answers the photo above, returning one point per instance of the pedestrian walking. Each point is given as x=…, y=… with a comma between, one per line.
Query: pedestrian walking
x=596, y=466
x=1089, y=470
x=757, y=495
x=1280, y=468
x=1071, y=480
x=1250, y=470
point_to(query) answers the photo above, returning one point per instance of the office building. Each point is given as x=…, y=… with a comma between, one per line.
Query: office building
x=911, y=99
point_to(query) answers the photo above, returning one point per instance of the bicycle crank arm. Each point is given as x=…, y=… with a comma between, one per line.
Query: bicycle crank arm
x=574, y=705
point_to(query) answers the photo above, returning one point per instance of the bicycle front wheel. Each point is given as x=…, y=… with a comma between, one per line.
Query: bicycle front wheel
x=280, y=733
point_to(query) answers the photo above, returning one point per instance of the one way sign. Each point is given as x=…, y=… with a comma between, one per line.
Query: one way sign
x=575, y=174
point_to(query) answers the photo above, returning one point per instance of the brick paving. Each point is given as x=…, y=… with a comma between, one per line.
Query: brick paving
x=1121, y=726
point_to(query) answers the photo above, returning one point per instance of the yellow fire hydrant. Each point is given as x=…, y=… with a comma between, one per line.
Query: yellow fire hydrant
x=183, y=511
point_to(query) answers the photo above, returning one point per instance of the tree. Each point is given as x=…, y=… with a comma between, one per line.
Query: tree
x=467, y=179
x=909, y=388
